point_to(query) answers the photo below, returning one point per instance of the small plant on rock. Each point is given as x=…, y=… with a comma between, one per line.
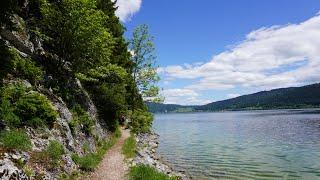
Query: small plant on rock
x=54, y=151
x=15, y=140
x=20, y=106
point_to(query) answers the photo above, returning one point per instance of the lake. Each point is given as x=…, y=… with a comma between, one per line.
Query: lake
x=275, y=144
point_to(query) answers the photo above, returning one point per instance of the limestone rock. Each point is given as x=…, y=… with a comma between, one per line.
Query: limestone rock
x=9, y=171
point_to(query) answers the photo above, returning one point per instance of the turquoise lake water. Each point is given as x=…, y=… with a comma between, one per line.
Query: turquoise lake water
x=280, y=144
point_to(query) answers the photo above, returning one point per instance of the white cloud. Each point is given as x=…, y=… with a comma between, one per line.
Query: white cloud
x=233, y=95
x=179, y=92
x=183, y=97
x=270, y=57
x=127, y=8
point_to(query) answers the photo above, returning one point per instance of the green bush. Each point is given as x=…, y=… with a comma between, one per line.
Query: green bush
x=91, y=160
x=15, y=140
x=20, y=106
x=143, y=172
x=87, y=162
x=25, y=68
x=54, y=151
x=19, y=67
x=81, y=117
x=141, y=121
x=107, y=88
x=129, y=147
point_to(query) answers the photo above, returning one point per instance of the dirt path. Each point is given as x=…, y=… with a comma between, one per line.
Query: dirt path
x=113, y=167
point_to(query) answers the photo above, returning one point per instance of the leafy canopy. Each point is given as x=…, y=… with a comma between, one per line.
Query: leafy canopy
x=77, y=34
x=144, y=64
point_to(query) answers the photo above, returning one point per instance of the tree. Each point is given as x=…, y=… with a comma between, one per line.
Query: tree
x=120, y=54
x=144, y=69
x=76, y=32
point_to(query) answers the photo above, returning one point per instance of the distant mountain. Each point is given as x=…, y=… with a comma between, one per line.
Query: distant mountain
x=165, y=108
x=294, y=97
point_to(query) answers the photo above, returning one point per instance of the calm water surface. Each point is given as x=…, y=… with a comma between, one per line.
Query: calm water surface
x=282, y=144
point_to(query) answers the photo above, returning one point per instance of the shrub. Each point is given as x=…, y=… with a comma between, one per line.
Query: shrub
x=25, y=68
x=129, y=147
x=87, y=162
x=107, y=88
x=86, y=147
x=29, y=171
x=117, y=133
x=142, y=172
x=91, y=160
x=20, y=106
x=141, y=121
x=15, y=140
x=81, y=117
x=54, y=151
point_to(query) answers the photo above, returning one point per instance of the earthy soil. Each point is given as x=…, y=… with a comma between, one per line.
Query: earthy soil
x=113, y=166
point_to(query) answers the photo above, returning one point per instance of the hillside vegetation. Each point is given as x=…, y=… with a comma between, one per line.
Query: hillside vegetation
x=294, y=97
x=67, y=78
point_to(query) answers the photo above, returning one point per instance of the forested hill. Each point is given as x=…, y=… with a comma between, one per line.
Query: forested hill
x=294, y=97
x=164, y=108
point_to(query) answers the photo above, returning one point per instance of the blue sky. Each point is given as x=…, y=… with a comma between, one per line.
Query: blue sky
x=211, y=50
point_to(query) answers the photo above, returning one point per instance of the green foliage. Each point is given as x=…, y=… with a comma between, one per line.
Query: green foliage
x=143, y=172
x=25, y=68
x=120, y=54
x=129, y=147
x=144, y=68
x=141, y=121
x=87, y=162
x=111, y=74
x=5, y=59
x=117, y=133
x=85, y=147
x=81, y=117
x=107, y=88
x=76, y=33
x=29, y=171
x=296, y=97
x=54, y=151
x=17, y=66
x=20, y=106
x=91, y=160
x=15, y=140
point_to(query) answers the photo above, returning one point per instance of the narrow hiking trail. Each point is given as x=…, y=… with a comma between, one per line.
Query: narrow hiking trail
x=113, y=167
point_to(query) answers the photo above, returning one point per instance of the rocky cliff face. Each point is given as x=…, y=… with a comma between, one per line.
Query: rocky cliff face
x=29, y=164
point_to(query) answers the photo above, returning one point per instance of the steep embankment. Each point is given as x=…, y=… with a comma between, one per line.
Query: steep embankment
x=41, y=137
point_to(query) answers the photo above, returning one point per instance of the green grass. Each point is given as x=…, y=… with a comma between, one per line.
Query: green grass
x=54, y=151
x=81, y=117
x=15, y=140
x=144, y=172
x=87, y=162
x=129, y=147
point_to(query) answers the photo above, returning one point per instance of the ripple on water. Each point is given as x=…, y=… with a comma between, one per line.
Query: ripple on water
x=242, y=145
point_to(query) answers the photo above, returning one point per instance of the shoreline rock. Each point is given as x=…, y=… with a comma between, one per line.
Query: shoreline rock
x=147, y=144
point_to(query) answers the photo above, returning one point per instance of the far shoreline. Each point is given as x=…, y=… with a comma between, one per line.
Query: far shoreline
x=240, y=110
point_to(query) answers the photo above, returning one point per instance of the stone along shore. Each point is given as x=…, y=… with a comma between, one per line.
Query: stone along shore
x=147, y=145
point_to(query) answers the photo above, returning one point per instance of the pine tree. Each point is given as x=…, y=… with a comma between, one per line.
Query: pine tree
x=120, y=54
